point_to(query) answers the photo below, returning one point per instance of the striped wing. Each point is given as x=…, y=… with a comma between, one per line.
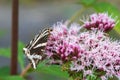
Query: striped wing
x=39, y=42
x=35, y=48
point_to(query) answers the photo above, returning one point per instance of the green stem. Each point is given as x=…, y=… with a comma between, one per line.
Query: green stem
x=77, y=14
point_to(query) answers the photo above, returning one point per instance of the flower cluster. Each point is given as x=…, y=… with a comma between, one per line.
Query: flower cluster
x=63, y=42
x=89, y=51
x=100, y=21
x=102, y=54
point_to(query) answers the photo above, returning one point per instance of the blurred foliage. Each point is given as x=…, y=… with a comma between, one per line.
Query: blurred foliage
x=86, y=2
x=5, y=74
x=6, y=52
x=11, y=78
x=20, y=54
x=27, y=2
x=4, y=71
x=52, y=69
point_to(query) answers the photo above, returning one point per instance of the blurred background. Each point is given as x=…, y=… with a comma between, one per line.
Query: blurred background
x=34, y=15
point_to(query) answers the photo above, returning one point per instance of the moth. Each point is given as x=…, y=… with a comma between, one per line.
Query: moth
x=36, y=47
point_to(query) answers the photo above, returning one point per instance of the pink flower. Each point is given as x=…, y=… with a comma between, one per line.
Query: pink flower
x=87, y=51
x=102, y=53
x=63, y=42
x=101, y=21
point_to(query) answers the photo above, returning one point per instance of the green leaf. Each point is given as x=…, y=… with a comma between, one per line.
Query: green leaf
x=5, y=74
x=117, y=28
x=11, y=78
x=5, y=52
x=87, y=2
x=91, y=77
x=114, y=35
x=105, y=7
x=112, y=10
x=20, y=54
x=51, y=69
x=99, y=73
x=4, y=71
x=113, y=78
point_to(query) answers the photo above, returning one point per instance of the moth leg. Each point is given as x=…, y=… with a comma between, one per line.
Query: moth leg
x=31, y=57
x=33, y=63
x=37, y=57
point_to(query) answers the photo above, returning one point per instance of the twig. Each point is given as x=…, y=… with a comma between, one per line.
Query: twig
x=25, y=70
x=23, y=73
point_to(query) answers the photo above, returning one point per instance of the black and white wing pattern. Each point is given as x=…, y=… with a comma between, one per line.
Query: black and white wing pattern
x=35, y=48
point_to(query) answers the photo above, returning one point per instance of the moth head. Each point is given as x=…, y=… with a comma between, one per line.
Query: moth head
x=26, y=51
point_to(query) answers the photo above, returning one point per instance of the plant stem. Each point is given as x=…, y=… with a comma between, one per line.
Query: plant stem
x=77, y=14
x=23, y=73
x=14, y=50
x=25, y=70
